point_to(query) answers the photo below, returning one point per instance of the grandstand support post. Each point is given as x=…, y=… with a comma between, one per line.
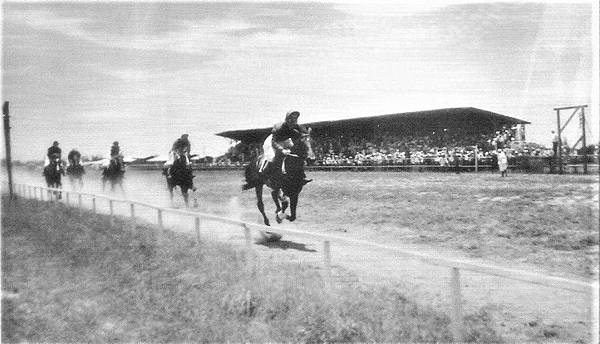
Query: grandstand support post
x=585, y=156
x=94, y=204
x=79, y=202
x=5, y=112
x=67, y=197
x=476, y=162
x=457, y=320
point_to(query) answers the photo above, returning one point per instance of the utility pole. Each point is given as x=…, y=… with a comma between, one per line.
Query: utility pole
x=7, y=144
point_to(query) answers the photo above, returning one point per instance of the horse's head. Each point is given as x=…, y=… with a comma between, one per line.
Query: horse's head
x=303, y=147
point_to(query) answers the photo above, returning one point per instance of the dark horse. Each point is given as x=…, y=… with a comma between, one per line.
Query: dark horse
x=285, y=187
x=75, y=172
x=113, y=173
x=53, y=173
x=180, y=175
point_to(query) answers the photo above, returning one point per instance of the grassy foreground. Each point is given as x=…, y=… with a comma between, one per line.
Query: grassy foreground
x=72, y=277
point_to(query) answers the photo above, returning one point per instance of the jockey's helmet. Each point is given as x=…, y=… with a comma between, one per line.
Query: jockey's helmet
x=292, y=114
x=116, y=143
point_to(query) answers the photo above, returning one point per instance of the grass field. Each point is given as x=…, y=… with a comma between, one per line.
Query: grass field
x=550, y=221
x=71, y=277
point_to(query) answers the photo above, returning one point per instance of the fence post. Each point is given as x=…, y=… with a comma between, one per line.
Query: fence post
x=132, y=207
x=110, y=205
x=327, y=262
x=94, y=204
x=457, y=320
x=327, y=255
x=67, y=197
x=197, y=227
x=249, y=253
x=160, y=218
x=79, y=202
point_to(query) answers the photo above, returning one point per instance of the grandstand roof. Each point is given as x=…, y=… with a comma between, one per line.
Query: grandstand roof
x=450, y=118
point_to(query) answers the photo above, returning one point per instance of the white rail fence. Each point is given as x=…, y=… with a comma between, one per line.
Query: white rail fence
x=50, y=194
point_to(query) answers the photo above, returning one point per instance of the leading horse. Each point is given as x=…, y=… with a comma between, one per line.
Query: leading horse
x=113, y=173
x=180, y=175
x=53, y=174
x=285, y=184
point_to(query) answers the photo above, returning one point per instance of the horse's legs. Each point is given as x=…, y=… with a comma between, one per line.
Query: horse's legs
x=293, y=205
x=170, y=191
x=186, y=196
x=275, y=196
x=279, y=200
x=260, y=204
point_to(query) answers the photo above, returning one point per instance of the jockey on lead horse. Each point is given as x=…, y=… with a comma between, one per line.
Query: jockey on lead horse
x=277, y=146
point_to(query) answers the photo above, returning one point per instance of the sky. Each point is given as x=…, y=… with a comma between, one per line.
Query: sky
x=143, y=73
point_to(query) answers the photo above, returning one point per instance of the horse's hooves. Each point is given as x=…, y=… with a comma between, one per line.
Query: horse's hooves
x=279, y=216
x=291, y=218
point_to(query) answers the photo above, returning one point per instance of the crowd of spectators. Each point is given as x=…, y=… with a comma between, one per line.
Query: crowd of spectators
x=435, y=147
x=443, y=147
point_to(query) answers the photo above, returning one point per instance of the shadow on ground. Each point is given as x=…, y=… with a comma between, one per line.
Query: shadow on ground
x=285, y=245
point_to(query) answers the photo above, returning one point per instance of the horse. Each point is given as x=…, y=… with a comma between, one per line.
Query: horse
x=180, y=175
x=113, y=173
x=75, y=171
x=285, y=186
x=53, y=173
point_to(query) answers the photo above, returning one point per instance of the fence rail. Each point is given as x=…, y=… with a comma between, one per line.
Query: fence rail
x=31, y=191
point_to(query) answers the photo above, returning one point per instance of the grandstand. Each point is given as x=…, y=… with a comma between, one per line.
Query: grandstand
x=422, y=137
x=470, y=119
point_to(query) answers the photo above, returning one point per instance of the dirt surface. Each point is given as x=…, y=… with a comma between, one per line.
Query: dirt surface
x=523, y=311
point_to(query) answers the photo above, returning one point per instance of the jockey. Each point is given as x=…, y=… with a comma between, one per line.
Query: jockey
x=117, y=155
x=280, y=143
x=181, y=147
x=74, y=157
x=54, y=149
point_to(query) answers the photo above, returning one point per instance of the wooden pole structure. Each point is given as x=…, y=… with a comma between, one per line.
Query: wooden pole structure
x=5, y=112
x=585, y=155
x=559, y=148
